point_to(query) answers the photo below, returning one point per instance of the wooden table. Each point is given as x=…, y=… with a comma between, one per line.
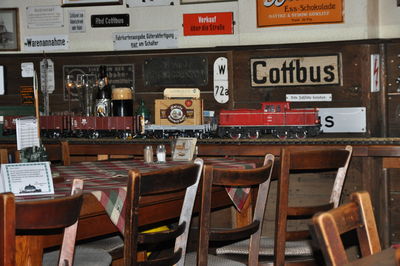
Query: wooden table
x=386, y=257
x=94, y=221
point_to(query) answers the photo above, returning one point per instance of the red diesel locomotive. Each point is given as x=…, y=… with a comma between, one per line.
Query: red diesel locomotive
x=274, y=118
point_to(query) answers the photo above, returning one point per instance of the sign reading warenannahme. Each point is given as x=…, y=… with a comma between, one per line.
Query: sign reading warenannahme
x=46, y=42
x=295, y=71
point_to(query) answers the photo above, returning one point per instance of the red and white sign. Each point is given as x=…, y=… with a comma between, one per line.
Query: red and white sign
x=208, y=23
x=375, y=69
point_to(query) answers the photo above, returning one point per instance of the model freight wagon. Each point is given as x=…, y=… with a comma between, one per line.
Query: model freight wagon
x=276, y=118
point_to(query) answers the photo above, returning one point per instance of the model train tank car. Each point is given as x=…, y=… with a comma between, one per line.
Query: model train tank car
x=276, y=118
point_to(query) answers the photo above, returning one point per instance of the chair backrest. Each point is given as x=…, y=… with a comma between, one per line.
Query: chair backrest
x=258, y=178
x=77, y=152
x=356, y=215
x=305, y=161
x=3, y=156
x=179, y=179
x=33, y=216
x=7, y=239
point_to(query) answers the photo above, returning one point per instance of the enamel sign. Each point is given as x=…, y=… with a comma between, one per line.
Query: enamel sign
x=343, y=120
x=295, y=71
x=221, y=89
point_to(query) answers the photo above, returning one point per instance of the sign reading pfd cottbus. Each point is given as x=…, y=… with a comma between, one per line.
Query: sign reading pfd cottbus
x=295, y=71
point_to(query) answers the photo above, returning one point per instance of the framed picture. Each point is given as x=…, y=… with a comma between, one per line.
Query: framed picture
x=203, y=1
x=9, y=29
x=90, y=2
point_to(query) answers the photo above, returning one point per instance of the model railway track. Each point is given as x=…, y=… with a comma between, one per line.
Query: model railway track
x=266, y=141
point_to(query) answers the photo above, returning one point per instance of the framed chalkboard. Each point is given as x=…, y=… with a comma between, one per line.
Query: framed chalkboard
x=120, y=76
x=177, y=71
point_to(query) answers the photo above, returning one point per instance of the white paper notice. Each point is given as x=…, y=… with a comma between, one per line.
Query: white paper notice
x=145, y=40
x=2, y=83
x=27, y=70
x=27, y=178
x=27, y=132
x=44, y=17
x=77, y=21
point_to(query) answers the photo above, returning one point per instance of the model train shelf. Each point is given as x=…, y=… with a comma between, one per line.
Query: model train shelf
x=276, y=118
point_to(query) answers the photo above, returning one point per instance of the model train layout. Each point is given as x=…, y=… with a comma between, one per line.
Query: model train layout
x=276, y=118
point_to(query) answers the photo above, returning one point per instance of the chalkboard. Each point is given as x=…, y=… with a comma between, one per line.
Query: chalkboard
x=179, y=71
x=120, y=76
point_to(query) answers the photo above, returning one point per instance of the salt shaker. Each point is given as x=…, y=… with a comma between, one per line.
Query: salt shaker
x=161, y=153
x=148, y=154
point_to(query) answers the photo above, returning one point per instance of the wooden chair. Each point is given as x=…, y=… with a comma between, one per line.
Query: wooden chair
x=179, y=179
x=29, y=219
x=170, y=180
x=295, y=247
x=35, y=215
x=75, y=153
x=258, y=178
x=7, y=239
x=3, y=156
x=356, y=215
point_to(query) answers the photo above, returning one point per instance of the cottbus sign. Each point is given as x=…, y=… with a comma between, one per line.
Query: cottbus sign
x=295, y=71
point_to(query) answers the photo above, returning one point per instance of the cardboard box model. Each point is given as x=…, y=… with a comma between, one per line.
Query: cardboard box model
x=181, y=106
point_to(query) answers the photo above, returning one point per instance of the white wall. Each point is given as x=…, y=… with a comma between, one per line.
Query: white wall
x=364, y=19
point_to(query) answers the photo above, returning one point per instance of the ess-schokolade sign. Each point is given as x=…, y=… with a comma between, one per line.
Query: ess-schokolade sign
x=295, y=71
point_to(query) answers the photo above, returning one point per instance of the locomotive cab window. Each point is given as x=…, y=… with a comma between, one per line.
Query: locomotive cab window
x=269, y=108
x=278, y=108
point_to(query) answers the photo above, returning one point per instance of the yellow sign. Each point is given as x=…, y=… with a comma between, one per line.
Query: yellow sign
x=297, y=12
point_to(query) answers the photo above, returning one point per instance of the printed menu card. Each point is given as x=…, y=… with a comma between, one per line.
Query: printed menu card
x=24, y=179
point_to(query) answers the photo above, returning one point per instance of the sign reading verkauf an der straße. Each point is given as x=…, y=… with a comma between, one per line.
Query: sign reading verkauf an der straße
x=295, y=71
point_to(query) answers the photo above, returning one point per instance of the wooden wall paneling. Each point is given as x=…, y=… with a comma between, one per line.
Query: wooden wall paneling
x=384, y=90
x=354, y=91
x=394, y=180
x=57, y=102
x=393, y=88
x=353, y=180
x=394, y=217
x=371, y=100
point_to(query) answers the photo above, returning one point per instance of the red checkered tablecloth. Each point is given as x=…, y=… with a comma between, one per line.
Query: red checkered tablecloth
x=107, y=181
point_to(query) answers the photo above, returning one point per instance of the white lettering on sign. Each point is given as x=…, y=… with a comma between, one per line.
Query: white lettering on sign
x=295, y=71
x=207, y=19
x=327, y=97
x=221, y=89
x=375, y=68
x=145, y=40
x=343, y=120
x=47, y=42
x=77, y=21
